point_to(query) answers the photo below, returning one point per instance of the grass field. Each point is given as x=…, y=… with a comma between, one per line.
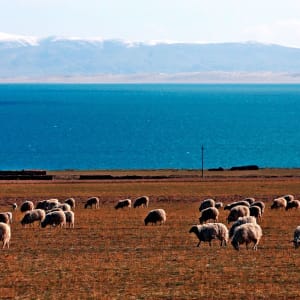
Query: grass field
x=111, y=254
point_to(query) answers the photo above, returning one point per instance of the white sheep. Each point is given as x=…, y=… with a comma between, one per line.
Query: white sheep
x=238, y=211
x=210, y=231
x=5, y=234
x=218, y=205
x=250, y=200
x=4, y=218
x=240, y=221
x=47, y=204
x=92, y=201
x=27, y=205
x=260, y=204
x=70, y=218
x=246, y=233
x=71, y=202
x=10, y=216
x=55, y=218
x=255, y=211
x=237, y=203
x=206, y=204
x=123, y=203
x=279, y=203
x=288, y=197
x=36, y=215
x=63, y=206
x=296, y=239
x=210, y=213
x=156, y=215
x=293, y=204
x=141, y=201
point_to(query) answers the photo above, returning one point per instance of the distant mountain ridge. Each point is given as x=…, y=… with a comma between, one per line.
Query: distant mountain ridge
x=62, y=57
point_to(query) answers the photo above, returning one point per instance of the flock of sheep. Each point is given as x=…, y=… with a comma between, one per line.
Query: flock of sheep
x=245, y=215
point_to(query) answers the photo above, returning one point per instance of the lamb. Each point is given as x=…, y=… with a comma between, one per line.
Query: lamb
x=292, y=204
x=208, y=232
x=255, y=211
x=206, y=204
x=27, y=205
x=32, y=216
x=260, y=204
x=156, y=215
x=55, y=218
x=240, y=221
x=141, y=201
x=238, y=211
x=14, y=206
x=246, y=233
x=209, y=213
x=279, y=203
x=71, y=202
x=296, y=239
x=70, y=218
x=5, y=234
x=237, y=203
x=92, y=201
x=4, y=218
x=123, y=203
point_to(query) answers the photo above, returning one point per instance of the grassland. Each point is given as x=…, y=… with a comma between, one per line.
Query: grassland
x=111, y=255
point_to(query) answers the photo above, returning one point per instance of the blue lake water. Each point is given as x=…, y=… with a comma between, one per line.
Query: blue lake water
x=57, y=126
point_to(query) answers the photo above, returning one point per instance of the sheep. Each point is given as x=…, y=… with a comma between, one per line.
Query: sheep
x=63, y=206
x=279, y=203
x=9, y=215
x=255, y=211
x=209, y=213
x=250, y=200
x=156, y=215
x=14, y=206
x=238, y=211
x=47, y=204
x=27, y=205
x=71, y=202
x=55, y=218
x=123, y=203
x=288, y=197
x=246, y=233
x=32, y=216
x=4, y=218
x=292, y=204
x=237, y=203
x=92, y=201
x=240, y=221
x=5, y=234
x=70, y=218
x=260, y=204
x=141, y=201
x=296, y=239
x=218, y=205
x=210, y=231
x=206, y=204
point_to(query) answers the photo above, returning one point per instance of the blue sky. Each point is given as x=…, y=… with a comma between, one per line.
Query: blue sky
x=140, y=20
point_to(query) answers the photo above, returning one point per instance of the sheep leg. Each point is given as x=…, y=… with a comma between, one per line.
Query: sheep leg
x=255, y=245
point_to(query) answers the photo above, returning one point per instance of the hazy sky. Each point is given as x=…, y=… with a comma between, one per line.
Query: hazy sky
x=143, y=20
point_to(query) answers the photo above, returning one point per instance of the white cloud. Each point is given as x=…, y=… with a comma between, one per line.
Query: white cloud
x=21, y=39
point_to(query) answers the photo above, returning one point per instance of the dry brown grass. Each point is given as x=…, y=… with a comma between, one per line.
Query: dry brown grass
x=114, y=256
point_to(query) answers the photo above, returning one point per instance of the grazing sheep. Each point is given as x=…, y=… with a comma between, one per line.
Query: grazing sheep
x=292, y=204
x=5, y=234
x=240, y=221
x=32, y=216
x=250, y=200
x=27, y=205
x=123, y=203
x=10, y=216
x=296, y=239
x=156, y=215
x=210, y=213
x=63, y=206
x=141, y=201
x=246, y=233
x=92, y=201
x=260, y=204
x=288, y=197
x=70, y=218
x=71, y=202
x=4, y=218
x=279, y=203
x=238, y=211
x=206, y=204
x=237, y=203
x=47, y=204
x=210, y=231
x=55, y=218
x=218, y=205
x=255, y=211
x=14, y=206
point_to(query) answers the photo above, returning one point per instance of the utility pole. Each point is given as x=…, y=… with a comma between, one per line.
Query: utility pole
x=202, y=160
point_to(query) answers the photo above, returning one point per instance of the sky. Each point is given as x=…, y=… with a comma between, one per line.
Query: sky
x=266, y=21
